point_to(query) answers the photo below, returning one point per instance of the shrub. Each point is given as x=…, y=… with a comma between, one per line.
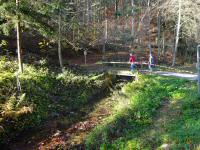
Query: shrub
x=42, y=92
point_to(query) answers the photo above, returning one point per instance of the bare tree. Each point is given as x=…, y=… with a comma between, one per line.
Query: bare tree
x=19, y=40
x=178, y=26
x=159, y=34
x=59, y=36
x=132, y=18
x=105, y=32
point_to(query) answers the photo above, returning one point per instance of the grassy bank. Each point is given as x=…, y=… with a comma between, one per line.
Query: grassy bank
x=41, y=94
x=139, y=124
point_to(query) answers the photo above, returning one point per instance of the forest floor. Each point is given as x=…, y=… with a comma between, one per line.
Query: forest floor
x=60, y=133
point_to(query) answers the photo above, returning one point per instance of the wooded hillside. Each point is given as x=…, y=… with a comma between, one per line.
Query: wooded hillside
x=170, y=27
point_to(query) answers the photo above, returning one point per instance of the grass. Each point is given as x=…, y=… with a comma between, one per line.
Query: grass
x=161, y=111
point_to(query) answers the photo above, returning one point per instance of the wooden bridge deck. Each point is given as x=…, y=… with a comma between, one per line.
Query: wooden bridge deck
x=122, y=73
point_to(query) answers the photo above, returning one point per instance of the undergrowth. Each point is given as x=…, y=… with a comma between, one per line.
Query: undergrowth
x=41, y=93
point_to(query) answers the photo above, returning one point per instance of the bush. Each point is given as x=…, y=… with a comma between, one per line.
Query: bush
x=42, y=92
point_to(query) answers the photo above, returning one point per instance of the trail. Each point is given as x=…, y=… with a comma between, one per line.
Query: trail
x=158, y=127
x=126, y=71
x=187, y=76
x=154, y=134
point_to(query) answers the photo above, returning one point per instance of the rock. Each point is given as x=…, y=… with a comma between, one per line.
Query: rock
x=165, y=147
x=58, y=133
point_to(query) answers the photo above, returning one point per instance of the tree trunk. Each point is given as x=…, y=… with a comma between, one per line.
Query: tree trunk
x=87, y=13
x=177, y=34
x=150, y=57
x=158, y=41
x=163, y=42
x=132, y=18
x=105, y=33
x=59, y=37
x=163, y=46
x=19, y=41
x=90, y=11
x=116, y=8
x=149, y=38
x=149, y=24
x=186, y=55
x=116, y=26
x=139, y=27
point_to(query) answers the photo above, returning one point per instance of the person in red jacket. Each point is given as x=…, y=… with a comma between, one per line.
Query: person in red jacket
x=132, y=61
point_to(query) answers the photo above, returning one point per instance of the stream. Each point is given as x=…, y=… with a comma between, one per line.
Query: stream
x=70, y=131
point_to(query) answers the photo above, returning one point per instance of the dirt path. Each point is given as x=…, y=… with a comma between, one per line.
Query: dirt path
x=52, y=136
x=156, y=134
x=100, y=68
x=159, y=123
x=187, y=76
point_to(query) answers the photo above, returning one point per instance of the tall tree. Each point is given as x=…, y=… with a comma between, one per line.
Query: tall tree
x=178, y=26
x=132, y=18
x=19, y=39
x=105, y=32
x=159, y=34
x=59, y=36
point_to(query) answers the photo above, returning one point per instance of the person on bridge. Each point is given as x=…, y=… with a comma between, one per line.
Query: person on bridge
x=151, y=62
x=132, y=61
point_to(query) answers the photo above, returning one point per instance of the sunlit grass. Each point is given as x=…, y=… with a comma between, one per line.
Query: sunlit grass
x=136, y=124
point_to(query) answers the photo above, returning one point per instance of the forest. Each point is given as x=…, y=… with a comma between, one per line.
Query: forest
x=99, y=74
